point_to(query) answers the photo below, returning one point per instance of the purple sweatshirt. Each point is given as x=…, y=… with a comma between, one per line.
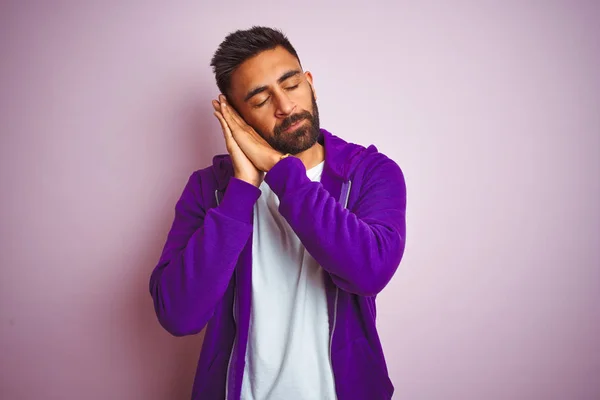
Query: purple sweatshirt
x=352, y=223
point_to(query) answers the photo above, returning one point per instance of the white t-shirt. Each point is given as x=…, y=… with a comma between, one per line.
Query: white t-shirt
x=288, y=345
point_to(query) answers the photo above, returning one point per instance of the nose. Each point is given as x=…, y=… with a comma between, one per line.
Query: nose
x=285, y=105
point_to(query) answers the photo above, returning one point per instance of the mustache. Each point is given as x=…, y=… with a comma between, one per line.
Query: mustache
x=292, y=119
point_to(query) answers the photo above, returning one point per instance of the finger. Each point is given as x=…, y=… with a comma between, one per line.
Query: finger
x=234, y=127
x=230, y=114
x=235, y=121
x=237, y=117
x=216, y=105
x=230, y=143
x=224, y=125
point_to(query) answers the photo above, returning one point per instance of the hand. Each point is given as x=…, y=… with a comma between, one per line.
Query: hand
x=258, y=151
x=243, y=168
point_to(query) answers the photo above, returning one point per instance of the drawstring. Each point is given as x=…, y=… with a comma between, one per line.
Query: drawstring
x=345, y=193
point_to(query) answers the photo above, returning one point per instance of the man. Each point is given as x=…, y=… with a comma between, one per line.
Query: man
x=281, y=246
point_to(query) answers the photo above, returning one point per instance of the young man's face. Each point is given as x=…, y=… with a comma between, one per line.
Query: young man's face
x=277, y=99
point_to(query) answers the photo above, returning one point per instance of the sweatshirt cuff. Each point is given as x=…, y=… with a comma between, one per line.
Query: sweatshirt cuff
x=286, y=174
x=239, y=199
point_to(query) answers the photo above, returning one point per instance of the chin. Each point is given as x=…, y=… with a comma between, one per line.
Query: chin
x=303, y=141
x=294, y=142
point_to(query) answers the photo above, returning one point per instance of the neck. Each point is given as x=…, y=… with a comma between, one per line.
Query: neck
x=313, y=156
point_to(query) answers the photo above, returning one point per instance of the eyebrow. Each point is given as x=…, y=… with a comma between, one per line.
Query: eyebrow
x=281, y=79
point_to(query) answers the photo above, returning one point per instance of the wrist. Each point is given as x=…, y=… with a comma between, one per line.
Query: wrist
x=278, y=157
x=252, y=180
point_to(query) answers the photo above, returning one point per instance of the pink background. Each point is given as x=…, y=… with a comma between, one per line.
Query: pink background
x=492, y=111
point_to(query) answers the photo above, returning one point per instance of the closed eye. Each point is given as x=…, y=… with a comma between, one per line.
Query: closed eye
x=267, y=99
x=263, y=103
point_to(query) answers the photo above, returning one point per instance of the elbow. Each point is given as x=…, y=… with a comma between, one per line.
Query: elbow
x=178, y=324
x=372, y=285
x=380, y=277
x=177, y=327
x=368, y=284
x=384, y=265
x=175, y=320
x=370, y=281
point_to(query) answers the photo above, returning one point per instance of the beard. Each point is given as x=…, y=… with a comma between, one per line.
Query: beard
x=300, y=139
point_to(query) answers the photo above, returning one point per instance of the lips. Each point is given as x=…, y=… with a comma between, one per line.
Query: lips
x=294, y=125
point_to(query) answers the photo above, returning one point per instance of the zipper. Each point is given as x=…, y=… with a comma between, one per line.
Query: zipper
x=234, y=340
x=337, y=292
x=234, y=320
x=344, y=196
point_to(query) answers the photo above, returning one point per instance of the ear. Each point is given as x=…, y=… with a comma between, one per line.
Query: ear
x=309, y=78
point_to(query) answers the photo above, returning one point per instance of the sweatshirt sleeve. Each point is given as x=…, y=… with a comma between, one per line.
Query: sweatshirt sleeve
x=200, y=254
x=360, y=247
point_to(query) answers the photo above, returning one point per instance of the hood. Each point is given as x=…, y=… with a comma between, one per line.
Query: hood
x=341, y=158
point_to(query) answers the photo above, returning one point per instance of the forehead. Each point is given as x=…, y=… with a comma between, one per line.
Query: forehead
x=263, y=69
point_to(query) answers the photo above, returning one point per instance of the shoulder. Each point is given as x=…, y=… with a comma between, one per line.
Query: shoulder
x=375, y=164
x=203, y=183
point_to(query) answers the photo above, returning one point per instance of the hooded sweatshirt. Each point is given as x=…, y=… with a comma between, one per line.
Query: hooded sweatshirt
x=352, y=223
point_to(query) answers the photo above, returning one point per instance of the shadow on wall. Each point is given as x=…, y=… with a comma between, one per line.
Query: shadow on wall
x=169, y=363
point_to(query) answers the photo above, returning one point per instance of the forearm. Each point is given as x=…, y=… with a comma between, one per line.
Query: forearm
x=198, y=261
x=360, y=248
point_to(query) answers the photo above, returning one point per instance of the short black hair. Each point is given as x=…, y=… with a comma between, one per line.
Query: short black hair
x=241, y=45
